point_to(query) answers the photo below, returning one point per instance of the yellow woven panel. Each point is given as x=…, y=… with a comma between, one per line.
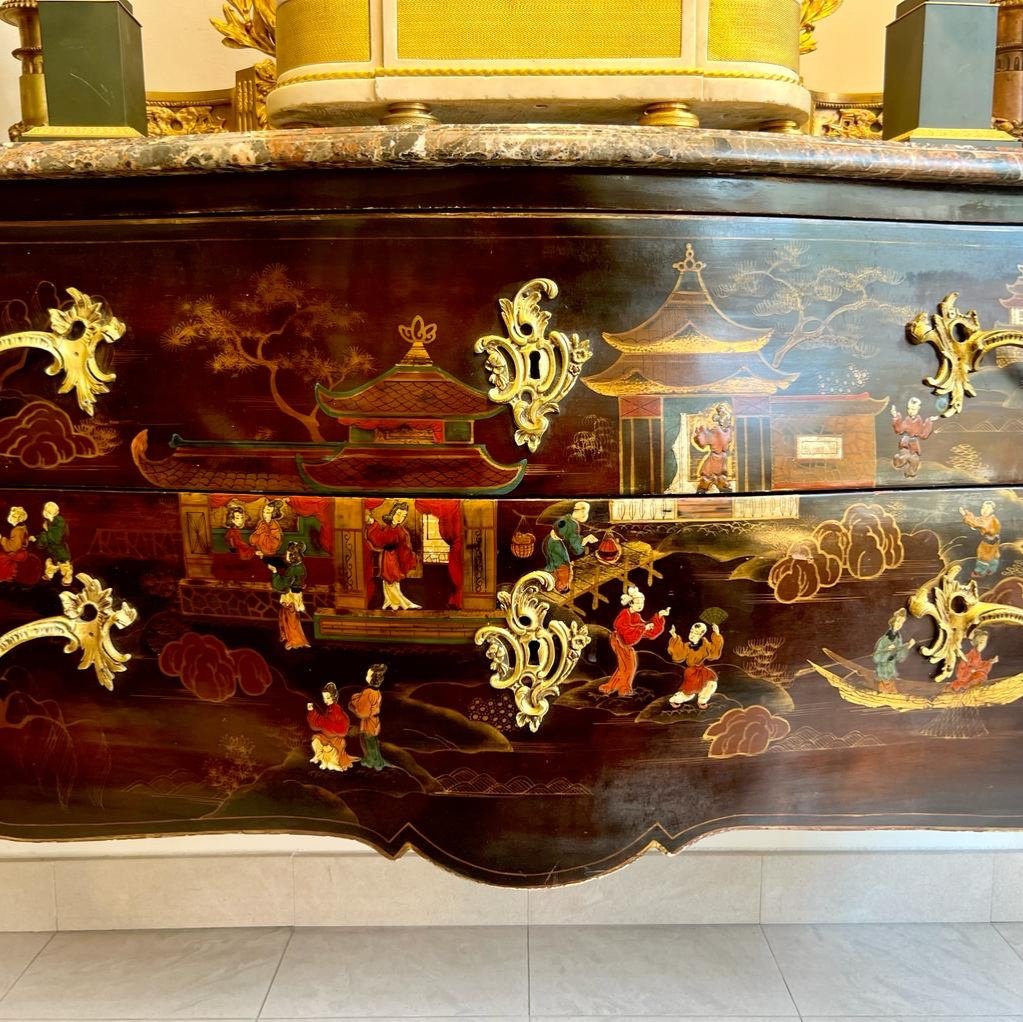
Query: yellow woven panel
x=538, y=29
x=322, y=31
x=765, y=31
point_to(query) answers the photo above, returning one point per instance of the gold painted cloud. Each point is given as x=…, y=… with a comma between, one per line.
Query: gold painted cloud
x=865, y=544
x=42, y=435
x=745, y=732
x=211, y=671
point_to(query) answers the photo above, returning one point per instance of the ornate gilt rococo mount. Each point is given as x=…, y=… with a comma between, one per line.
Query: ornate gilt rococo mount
x=530, y=371
x=958, y=612
x=528, y=655
x=72, y=340
x=86, y=623
x=961, y=345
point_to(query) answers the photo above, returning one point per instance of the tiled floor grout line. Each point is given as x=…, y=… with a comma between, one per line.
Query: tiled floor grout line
x=294, y=894
x=280, y=962
x=28, y=966
x=781, y=972
x=994, y=926
x=991, y=908
x=760, y=898
x=529, y=971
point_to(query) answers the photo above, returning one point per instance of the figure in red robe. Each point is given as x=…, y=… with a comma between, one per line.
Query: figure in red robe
x=391, y=541
x=15, y=547
x=630, y=629
x=236, y=520
x=698, y=680
x=331, y=729
x=973, y=669
x=910, y=428
x=267, y=537
x=717, y=441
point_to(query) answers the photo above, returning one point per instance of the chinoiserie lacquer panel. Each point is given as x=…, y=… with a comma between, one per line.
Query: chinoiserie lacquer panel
x=573, y=354
x=528, y=691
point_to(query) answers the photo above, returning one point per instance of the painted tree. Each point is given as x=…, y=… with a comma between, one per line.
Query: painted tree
x=826, y=306
x=280, y=328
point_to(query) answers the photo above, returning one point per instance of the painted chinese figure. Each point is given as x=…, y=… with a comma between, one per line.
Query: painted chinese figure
x=699, y=681
x=889, y=651
x=267, y=537
x=989, y=550
x=236, y=521
x=910, y=428
x=331, y=727
x=973, y=669
x=290, y=582
x=717, y=441
x=629, y=630
x=396, y=559
x=565, y=541
x=53, y=541
x=14, y=547
x=366, y=707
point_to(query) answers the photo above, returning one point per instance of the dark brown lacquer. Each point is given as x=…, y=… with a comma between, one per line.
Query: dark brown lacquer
x=526, y=517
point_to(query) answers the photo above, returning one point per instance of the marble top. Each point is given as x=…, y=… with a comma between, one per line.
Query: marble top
x=612, y=147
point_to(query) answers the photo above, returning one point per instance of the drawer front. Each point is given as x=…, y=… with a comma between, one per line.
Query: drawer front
x=529, y=692
x=530, y=355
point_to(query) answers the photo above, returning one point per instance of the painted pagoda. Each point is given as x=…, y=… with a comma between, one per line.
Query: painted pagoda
x=1006, y=357
x=411, y=431
x=1014, y=303
x=673, y=372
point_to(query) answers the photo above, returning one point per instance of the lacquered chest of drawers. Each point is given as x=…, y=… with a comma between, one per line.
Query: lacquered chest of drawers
x=525, y=496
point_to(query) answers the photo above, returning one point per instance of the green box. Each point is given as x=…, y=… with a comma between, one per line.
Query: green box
x=92, y=61
x=940, y=73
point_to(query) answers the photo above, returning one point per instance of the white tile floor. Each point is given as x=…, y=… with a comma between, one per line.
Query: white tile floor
x=840, y=973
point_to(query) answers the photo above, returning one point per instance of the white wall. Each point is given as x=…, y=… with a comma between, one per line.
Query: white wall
x=850, y=49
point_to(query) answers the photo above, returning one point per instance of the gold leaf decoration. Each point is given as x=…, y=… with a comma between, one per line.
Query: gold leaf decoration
x=249, y=25
x=814, y=11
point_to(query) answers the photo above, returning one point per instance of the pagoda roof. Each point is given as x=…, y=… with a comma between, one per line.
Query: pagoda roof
x=690, y=322
x=840, y=405
x=733, y=373
x=252, y=467
x=209, y=466
x=413, y=389
x=1016, y=291
x=466, y=469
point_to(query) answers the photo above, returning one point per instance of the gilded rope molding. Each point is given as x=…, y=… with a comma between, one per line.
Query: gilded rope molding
x=536, y=72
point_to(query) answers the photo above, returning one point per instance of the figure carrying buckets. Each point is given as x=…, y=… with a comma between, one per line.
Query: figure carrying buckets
x=565, y=541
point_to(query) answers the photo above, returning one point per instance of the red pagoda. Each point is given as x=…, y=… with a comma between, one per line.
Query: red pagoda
x=411, y=431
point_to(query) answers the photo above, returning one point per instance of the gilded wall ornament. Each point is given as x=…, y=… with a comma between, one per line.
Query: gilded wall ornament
x=186, y=119
x=858, y=115
x=529, y=655
x=72, y=340
x=86, y=623
x=529, y=370
x=812, y=12
x=958, y=612
x=249, y=25
x=961, y=345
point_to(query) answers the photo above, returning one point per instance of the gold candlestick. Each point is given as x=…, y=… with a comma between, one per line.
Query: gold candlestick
x=1008, y=70
x=24, y=15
